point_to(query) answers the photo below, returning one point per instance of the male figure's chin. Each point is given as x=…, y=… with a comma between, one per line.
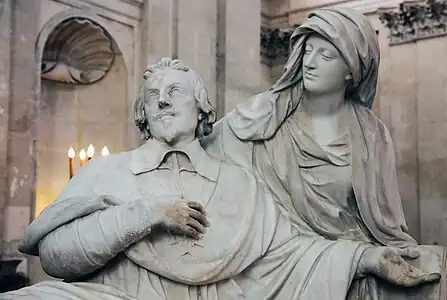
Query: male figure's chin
x=169, y=137
x=165, y=132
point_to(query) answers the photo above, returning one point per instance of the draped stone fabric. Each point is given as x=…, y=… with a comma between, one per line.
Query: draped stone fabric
x=265, y=123
x=264, y=134
x=250, y=251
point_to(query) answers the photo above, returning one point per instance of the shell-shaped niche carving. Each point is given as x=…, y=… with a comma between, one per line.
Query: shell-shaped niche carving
x=78, y=51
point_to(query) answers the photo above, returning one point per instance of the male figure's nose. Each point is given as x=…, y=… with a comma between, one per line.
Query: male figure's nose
x=163, y=102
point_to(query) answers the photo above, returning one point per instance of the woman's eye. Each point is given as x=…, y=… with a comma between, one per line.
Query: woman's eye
x=327, y=55
x=308, y=50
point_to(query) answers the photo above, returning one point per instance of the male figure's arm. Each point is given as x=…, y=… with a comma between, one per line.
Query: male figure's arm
x=88, y=242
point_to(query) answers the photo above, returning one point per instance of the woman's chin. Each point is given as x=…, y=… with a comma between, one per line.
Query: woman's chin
x=314, y=87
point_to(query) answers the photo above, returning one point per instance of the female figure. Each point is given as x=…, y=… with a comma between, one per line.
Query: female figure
x=314, y=141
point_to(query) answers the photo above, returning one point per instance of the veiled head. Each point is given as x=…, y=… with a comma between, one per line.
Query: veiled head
x=324, y=67
x=355, y=39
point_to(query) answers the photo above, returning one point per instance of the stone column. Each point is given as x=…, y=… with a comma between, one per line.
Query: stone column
x=401, y=94
x=5, y=63
x=23, y=113
x=158, y=34
x=197, y=31
x=219, y=39
x=431, y=119
x=242, y=51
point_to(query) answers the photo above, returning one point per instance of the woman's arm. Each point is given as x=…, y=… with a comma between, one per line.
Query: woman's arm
x=261, y=116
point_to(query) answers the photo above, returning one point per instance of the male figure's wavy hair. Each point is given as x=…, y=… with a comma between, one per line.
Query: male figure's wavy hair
x=207, y=113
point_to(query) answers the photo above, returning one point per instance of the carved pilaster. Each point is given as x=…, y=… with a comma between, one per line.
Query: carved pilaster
x=415, y=20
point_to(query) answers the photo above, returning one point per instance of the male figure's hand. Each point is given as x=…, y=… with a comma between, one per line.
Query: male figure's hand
x=184, y=217
x=389, y=264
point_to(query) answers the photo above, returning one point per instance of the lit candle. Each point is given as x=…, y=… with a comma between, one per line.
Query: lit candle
x=90, y=151
x=105, y=151
x=71, y=156
x=82, y=157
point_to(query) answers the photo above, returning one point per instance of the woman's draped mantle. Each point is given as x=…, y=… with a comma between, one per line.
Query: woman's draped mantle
x=374, y=181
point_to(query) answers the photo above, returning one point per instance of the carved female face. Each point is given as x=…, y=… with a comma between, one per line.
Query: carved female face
x=171, y=108
x=324, y=69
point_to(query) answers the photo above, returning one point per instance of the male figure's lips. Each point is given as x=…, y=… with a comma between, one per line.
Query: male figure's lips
x=164, y=115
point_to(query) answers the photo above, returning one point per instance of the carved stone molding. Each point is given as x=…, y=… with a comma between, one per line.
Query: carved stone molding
x=275, y=43
x=78, y=51
x=415, y=20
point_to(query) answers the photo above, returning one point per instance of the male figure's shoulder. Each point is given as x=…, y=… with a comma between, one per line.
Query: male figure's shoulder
x=106, y=166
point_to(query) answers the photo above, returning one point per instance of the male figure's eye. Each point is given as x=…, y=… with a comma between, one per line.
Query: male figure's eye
x=152, y=95
x=175, y=91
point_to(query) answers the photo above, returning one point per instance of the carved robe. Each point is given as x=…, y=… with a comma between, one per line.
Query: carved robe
x=250, y=250
x=264, y=135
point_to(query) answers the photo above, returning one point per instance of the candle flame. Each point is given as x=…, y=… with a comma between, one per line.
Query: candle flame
x=82, y=154
x=105, y=151
x=90, y=151
x=71, y=152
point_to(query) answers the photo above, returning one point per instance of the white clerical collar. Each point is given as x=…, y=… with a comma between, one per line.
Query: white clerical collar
x=149, y=156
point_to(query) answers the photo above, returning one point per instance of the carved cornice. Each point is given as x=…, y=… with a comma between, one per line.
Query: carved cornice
x=415, y=20
x=275, y=43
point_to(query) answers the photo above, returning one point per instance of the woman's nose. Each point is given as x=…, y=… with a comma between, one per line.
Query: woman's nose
x=310, y=60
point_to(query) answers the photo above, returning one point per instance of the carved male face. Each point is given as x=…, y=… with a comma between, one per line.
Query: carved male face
x=171, y=108
x=324, y=68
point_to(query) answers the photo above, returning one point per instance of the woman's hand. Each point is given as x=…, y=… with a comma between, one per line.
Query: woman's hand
x=389, y=264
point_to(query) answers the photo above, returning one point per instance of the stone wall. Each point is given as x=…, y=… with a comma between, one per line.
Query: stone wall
x=413, y=103
x=39, y=120
x=411, y=100
x=35, y=127
x=76, y=116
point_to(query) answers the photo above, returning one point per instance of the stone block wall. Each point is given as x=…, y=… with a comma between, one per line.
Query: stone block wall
x=39, y=120
x=219, y=39
x=411, y=100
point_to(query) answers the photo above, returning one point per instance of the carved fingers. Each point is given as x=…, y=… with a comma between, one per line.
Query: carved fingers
x=393, y=268
x=410, y=252
x=186, y=218
x=197, y=212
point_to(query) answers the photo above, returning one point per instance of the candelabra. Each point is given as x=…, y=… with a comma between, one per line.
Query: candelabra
x=84, y=156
